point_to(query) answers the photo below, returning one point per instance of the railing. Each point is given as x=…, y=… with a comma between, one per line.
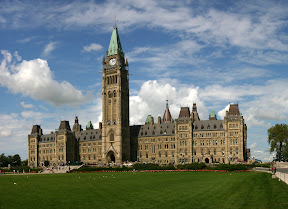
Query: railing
x=282, y=176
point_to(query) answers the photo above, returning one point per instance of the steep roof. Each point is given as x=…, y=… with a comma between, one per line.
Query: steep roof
x=64, y=125
x=209, y=125
x=184, y=113
x=115, y=43
x=166, y=129
x=234, y=110
x=90, y=135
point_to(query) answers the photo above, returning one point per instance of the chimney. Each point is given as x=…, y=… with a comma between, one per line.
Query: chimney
x=152, y=121
x=159, y=120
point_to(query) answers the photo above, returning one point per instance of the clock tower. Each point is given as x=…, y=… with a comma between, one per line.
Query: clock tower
x=115, y=104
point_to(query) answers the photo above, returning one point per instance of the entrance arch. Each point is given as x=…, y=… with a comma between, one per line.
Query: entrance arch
x=110, y=157
x=206, y=160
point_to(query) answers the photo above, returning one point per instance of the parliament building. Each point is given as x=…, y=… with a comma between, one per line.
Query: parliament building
x=166, y=140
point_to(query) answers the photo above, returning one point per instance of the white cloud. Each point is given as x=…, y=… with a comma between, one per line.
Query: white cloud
x=152, y=97
x=253, y=146
x=92, y=47
x=253, y=25
x=26, y=105
x=222, y=113
x=49, y=48
x=34, y=79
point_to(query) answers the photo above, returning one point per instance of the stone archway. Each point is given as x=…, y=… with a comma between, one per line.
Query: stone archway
x=206, y=160
x=110, y=157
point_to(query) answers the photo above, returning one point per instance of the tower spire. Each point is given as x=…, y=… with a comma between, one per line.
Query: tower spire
x=167, y=118
x=115, y=44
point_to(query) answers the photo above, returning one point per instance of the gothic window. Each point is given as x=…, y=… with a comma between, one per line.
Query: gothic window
x=221, y=126
x=111, y=137
x=114, y=93
x=208, y=127
x=214, y=151
x=146, y=154
x=215, y=126
x=166, y=154
x=115, y=78
x=159, y=154
x=237, y=151
x=208, y=151
x=108, y=81
x=202, y=127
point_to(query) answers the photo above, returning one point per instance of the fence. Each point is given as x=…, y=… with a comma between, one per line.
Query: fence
x=282, y=176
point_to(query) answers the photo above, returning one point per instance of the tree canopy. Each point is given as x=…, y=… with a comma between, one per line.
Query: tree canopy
x=278, y=140
x=14, y=160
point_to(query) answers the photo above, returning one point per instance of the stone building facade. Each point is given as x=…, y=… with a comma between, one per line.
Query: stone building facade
x=186, y=139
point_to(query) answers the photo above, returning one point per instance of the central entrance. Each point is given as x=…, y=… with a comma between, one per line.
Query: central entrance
x=110, y=157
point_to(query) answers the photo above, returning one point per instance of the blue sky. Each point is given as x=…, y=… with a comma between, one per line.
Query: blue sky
x=209, y=52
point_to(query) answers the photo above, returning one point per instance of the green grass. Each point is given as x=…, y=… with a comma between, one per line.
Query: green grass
x=144, y=190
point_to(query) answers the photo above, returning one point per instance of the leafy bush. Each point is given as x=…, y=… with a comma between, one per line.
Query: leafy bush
x=231, y=167
x=192, y=166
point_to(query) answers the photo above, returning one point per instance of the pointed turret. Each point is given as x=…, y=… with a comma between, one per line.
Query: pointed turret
x=167, y=118
x=212, y=116
x=89, y=126
x=194, y=112
x=115, y=44
x=76, y=127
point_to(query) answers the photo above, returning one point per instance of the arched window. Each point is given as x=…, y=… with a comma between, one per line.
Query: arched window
x=114, y=93
x=111, y=137
x=108, y=81
x=146, y=154
x=166, y=154
x=159, y=154
x=115, y=78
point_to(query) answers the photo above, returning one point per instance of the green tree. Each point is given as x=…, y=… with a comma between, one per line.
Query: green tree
x=278, y=140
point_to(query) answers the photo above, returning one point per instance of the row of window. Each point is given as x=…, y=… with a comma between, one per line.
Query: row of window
x=208, y=142
x=112, y=79
x=234, y=134
x=89, y=157
x=208, y=126
x=158, y=140
x=146, y=154
x=183, y=128
x=208, y=135
x=233, y=125
x=146, y=147
x=90, y=150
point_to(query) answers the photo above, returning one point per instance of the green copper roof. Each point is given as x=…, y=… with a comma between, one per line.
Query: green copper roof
x=114, y=43
x=212, y=114
x=148, y=119
x=89, y=125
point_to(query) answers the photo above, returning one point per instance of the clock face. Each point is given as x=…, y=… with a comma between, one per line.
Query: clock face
x=112, y=61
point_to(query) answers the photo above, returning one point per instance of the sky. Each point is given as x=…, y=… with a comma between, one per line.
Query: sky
x=213, y=53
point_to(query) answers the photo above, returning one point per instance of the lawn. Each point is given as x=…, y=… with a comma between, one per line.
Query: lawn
x=143, y=190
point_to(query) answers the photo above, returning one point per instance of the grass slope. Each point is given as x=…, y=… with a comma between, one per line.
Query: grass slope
x=144, y=190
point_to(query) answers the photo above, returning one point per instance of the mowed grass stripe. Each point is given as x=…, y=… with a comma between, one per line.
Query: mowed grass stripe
x=144, y=190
